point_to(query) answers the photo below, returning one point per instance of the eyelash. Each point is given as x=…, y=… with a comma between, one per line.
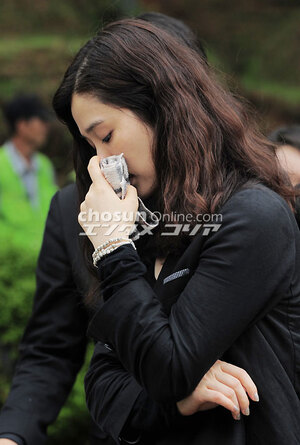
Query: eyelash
x=103, y=140
x=109, y=135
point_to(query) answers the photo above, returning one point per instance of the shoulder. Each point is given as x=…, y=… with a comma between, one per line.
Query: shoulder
x=42, y=157
x=254, y=231
x=255, y=216
x=43, y=160
x=2, y=152
x=67, y=193
x=258, y=204
x=67, y=199
x=63, y=211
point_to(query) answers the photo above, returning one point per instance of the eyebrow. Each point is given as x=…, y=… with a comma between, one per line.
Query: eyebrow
x=93, y=125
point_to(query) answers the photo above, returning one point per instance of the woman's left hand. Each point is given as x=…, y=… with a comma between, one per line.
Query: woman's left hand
x=103, y=215
x=224, y=384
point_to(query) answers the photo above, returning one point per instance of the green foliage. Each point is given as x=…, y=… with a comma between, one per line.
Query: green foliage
x=21, y=16
x=18, y=257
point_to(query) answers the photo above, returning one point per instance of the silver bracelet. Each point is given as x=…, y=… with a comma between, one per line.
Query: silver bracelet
x=108, y=242
x=113, y=246
x=108, y=250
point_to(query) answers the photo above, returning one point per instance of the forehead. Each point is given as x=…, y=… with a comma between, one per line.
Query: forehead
x=35, y=120
x=287, y=148
x=85, y=106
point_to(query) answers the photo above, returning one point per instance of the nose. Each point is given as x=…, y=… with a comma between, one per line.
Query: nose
x=102, y=152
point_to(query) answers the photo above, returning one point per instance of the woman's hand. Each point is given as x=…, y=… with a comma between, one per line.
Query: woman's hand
x=103, y=215
x=7, y=442
x=224, y=384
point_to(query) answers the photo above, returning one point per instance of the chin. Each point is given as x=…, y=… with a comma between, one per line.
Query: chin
x=146, y=192
x=143, y=189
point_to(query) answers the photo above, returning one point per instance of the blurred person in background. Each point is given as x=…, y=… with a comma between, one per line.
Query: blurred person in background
x=53, y=347
x=287, y=140
x=27, y=178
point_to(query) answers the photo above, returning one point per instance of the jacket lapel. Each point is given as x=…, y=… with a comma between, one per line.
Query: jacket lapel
x=185, y=264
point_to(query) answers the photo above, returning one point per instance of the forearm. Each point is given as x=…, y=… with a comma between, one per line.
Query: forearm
x=118, y=404
x=145, y=415
x=168, y=356
x=150, y=417
x=122, y=273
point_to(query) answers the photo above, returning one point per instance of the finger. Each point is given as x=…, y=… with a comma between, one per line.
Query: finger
x=243, y=377
x=82, y=214
x=81, y=218
x=227, y=392
x=82, y=206
x=95, y=172
x=219, y=398
x=131, y=191
x=240, y=392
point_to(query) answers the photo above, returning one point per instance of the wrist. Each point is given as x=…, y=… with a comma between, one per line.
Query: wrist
x=108, y=247
x=108, y=240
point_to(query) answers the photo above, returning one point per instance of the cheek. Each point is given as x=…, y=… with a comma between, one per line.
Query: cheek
x=136, y=146
x=35, y=129
x=30, y=130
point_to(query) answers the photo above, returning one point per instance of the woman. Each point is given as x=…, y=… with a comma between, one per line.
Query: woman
x=191, y=150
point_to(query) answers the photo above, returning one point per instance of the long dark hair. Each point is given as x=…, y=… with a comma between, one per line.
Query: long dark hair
x=205, y=146
x=177, y=29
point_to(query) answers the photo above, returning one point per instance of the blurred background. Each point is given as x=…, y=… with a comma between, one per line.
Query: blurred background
x=255, y=43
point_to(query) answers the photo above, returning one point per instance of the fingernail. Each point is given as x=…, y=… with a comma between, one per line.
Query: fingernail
x=237, y=417
x=236, y=408
x=256, y=397
x=246, y=412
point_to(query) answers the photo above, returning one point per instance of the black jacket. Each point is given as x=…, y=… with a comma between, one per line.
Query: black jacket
x=239, y=301
x=53, y=346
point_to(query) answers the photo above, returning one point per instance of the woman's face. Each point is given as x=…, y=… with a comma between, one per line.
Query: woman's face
x=116, y=131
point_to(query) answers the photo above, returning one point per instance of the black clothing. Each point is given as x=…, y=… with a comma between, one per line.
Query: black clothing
x=53, y=346
x=239, y=302
x=19, y=440
x=297, y=213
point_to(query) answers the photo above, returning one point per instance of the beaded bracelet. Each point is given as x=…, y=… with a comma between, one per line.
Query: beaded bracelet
x=108, y=242
x=110, y=248
x=113, y=246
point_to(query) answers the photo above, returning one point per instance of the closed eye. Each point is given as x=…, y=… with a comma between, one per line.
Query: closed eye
x=88, y=142
x=107, y=138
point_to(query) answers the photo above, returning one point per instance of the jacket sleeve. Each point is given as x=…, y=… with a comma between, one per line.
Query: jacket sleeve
x=118, y=404
x=53, y=345
x=244, y=269
x=17, y=439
